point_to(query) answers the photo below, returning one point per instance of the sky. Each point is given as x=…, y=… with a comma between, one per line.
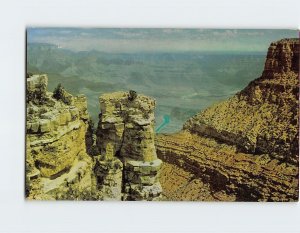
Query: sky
x=130, y=40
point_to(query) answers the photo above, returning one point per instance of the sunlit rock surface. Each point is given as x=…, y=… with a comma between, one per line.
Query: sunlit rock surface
x=57, y=166
x=127, y=124
x=245, y=148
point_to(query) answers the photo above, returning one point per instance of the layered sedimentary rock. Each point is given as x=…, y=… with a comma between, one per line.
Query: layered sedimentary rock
x=57, y=166
x=263, y=118
x=245, y=148
x=221, y=172
x=57, y=163
x=126, y=127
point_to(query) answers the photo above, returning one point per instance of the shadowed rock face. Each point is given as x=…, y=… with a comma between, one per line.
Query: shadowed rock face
x=245, y=148
x=126, y=133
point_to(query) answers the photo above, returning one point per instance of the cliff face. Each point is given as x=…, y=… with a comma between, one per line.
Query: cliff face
x=57, y=166
x=263, y=118
x=210, y=170
x=245, y=148
x=125, y=138
x=58, y=139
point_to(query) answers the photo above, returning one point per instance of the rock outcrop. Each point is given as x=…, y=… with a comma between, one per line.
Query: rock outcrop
x=59, y=140
x=247, y=147
x=210, y=170
x=243, y=149
x=262, y=118
x=57, y=166
x=125, y=138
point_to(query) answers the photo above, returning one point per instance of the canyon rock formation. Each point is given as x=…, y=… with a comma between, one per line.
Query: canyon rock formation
x=57, y=166
x=58, y=141
x=125, y=138
x=245, y=148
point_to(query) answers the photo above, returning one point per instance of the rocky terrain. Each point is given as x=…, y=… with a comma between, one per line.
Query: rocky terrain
x=61, y=161
x=125, y=137
x=57, y=166
x=245, y=148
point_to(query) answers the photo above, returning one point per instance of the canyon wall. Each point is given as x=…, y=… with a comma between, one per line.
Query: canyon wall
x=245, y=148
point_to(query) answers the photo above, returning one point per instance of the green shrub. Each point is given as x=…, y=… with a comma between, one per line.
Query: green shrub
x=132, y=95
x=58, y=92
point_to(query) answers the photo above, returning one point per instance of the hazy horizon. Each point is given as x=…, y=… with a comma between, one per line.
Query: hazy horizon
x=132, y=40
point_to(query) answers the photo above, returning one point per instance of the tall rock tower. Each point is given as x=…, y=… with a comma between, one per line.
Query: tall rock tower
x=128, y=167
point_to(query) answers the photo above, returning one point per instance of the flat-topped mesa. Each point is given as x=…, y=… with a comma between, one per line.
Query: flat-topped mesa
x=262, y=118
x=56, y=126
x=127, y=123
